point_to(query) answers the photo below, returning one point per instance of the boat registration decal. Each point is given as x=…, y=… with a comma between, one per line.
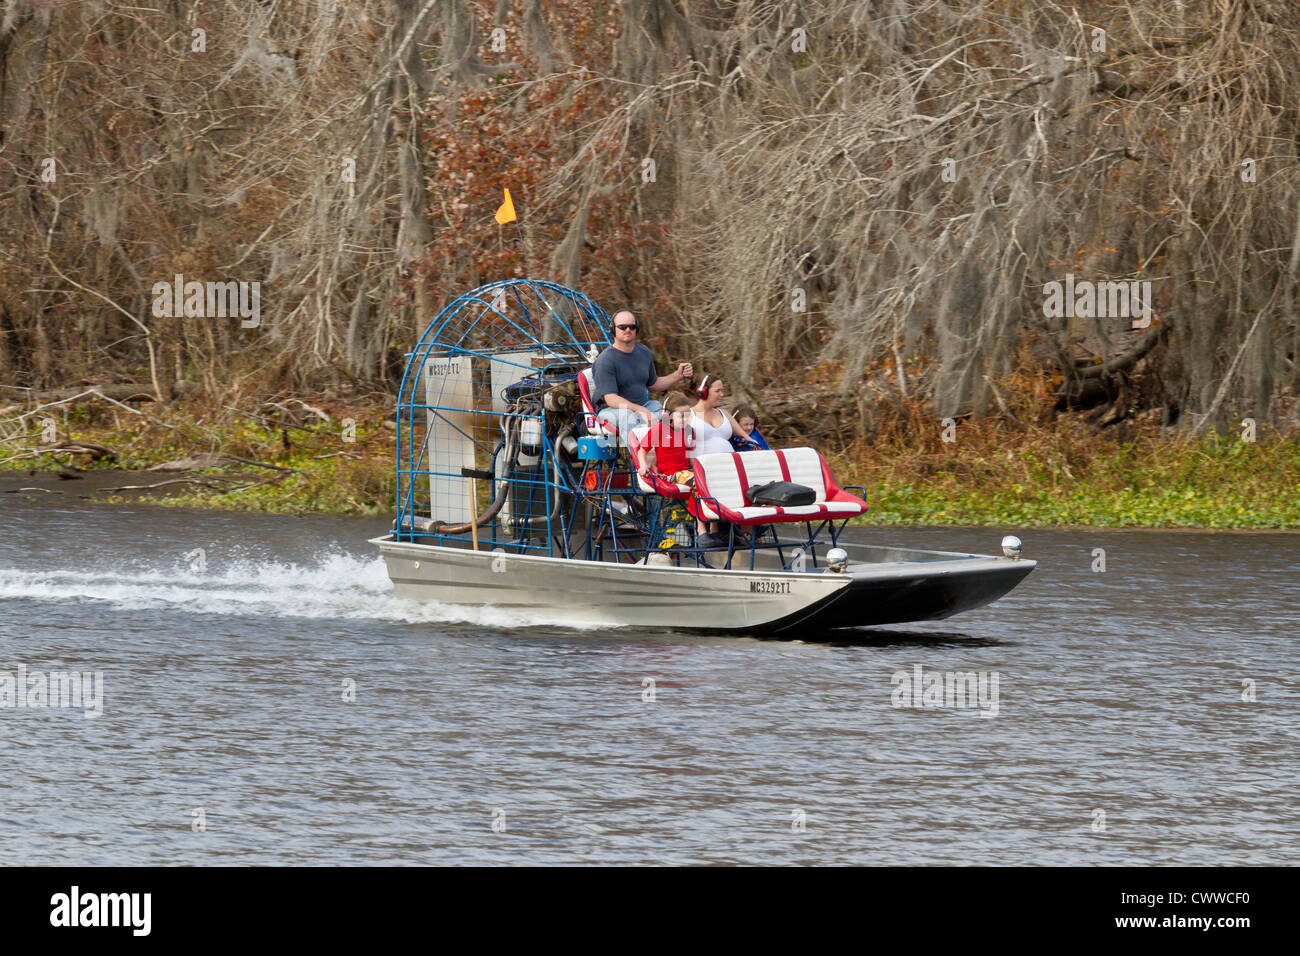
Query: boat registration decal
x=769, y=587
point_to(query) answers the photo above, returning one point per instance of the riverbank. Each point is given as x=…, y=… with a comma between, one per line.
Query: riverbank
x=1067, y=474
x=289, y=456
x=335, y=456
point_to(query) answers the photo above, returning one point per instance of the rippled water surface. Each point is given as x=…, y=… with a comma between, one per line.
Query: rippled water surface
x=1119, y=692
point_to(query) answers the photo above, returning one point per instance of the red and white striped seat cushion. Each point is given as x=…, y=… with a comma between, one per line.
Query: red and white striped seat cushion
x=725, y=477
x=656, y=485
x=586, y=385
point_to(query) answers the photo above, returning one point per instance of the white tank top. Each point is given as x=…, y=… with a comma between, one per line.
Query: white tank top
x=710, y=440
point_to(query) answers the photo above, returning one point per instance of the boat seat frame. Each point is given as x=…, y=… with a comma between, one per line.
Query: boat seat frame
x=615, y=530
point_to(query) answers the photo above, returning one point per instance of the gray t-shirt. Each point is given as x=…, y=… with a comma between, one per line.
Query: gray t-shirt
x=629, y=374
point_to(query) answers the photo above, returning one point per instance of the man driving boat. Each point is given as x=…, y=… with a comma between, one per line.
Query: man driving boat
x=624, y=375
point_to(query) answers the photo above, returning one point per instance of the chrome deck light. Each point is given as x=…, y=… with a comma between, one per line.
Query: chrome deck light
x=1011, y=547
x=837, y=559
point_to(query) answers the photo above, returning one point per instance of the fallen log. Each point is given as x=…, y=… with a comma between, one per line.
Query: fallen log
x=96, y=452
x=160, y=484
x=215, y=460
x=195, y=463
x=122, y=392
x=90, y=392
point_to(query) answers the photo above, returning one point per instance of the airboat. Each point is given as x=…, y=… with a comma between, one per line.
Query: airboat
x=512, y=494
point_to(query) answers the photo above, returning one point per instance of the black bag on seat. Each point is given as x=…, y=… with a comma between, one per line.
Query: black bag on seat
x=780, y=494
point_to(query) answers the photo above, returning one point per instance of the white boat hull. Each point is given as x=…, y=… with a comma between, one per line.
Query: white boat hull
x=690, y=598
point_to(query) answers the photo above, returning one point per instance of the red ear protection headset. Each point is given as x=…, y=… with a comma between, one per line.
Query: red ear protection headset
x=703, y=390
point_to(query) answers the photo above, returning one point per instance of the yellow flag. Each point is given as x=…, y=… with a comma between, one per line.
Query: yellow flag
x=507, y=211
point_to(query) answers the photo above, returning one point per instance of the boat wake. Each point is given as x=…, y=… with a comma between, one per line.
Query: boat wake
x=339, y=586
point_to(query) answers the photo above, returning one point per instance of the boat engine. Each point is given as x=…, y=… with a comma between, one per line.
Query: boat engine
x=539, y=408
x=525, y=471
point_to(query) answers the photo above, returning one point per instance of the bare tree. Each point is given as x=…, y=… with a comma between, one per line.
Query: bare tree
x=871, y=196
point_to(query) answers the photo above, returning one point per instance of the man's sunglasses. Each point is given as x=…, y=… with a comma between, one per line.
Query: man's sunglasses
x=632, y=326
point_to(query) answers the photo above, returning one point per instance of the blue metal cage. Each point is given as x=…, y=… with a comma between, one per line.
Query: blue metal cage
x=478, y=455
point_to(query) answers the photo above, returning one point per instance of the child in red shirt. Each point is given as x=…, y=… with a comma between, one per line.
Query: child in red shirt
x=668, y=443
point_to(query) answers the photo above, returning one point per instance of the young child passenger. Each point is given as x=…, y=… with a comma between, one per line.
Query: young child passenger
x=668, y=443
x=747, y=420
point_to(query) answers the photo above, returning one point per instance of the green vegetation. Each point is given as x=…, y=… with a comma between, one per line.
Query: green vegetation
x=994, y=474
x=1060, y=479
x=292, y=464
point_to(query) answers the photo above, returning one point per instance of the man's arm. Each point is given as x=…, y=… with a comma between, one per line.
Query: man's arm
x=615, y=400
x=603, y=382
x=663, y=382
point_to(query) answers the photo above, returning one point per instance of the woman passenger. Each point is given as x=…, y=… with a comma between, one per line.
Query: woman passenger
x=713, y=424
x=713, y=427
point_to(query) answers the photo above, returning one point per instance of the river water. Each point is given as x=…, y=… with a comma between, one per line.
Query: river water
x=1121, y=733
